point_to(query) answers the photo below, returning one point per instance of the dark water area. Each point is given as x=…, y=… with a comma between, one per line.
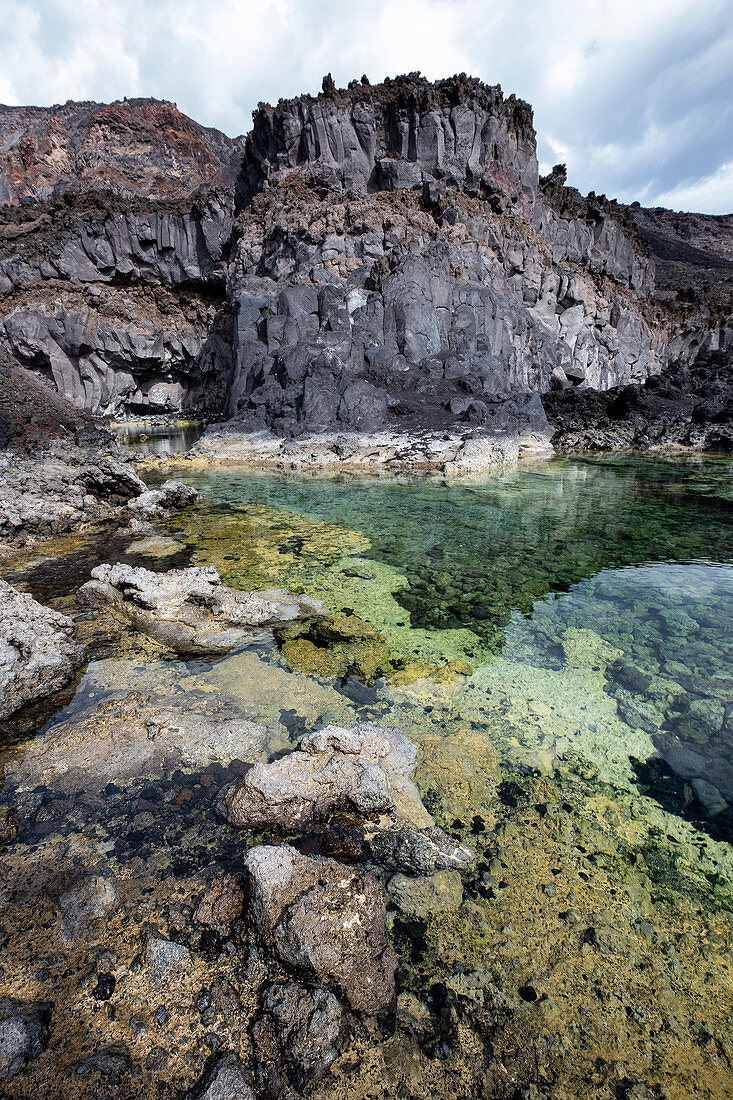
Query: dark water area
x=151, y=438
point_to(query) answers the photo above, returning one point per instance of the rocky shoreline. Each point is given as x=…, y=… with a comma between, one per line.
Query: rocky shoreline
x=254, y=844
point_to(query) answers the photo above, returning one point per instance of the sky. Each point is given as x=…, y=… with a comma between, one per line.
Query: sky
x=635, y=96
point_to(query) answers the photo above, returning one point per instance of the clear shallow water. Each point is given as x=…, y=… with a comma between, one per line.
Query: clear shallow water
x=621, y=566
x=557, y=643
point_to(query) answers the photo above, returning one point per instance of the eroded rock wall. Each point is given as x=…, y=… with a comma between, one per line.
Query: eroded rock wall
x=388, y=258
x=121, y=307
x=397, y=263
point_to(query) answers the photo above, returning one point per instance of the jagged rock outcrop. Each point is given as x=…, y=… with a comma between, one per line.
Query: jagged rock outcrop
x=458, y=132
x=120, y=306
x=386, y=259
x=190, y=610
x=133, y=146
x=400, y=266
x=62, y=485
x=38, y=651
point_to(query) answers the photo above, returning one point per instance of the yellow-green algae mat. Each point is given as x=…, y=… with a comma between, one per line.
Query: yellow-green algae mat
x=260, y=547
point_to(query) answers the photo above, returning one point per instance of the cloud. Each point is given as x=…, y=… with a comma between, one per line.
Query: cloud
x=711, y=194
x=635, y=95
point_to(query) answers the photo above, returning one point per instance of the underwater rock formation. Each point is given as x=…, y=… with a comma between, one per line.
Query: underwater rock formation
x=133, y=734
x=190, y=610
x=38, y=651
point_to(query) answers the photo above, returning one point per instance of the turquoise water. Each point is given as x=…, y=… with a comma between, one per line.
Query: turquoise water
x=474, y=554
x=555, y=640
x=638, y=552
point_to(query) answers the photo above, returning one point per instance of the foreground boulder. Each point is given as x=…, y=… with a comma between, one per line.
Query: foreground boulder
x=297, y=1034
x=190, y=610
x=334, y=769
x=324, y=920
x=38, y=651
x=365, y=771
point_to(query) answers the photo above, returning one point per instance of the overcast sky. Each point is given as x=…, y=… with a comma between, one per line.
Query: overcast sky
x=636, y=96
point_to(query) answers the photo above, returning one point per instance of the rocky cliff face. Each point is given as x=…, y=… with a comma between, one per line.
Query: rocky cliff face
x=395, y=261
x=136, y=147
x=387, y=258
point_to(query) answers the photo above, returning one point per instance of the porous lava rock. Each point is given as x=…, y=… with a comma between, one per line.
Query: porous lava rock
x=326, y=921
x=296, y=1036
x=38, y=651
x=190, y=610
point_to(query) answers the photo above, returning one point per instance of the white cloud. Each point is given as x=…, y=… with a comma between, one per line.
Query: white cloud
x=635, y=95
x=711, y=194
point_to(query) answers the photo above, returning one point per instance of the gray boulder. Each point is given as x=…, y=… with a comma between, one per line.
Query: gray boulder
x=84, y=908
x=190, y=610
x=38, y=651
x=23, y=1035
x=334, y=769
x=365, y=771
x=326, y=921
x=172, y=496
x=297, y=1034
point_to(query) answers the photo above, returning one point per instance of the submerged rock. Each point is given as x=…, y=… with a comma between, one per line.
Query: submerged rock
x=190, y=610
x=325, y=920
x=132, y=735
x=438, y=893
x=23, y=1035
x=165, y=959
x=221, y=904
x=83, y=909
x=297, y=1034
x=38, y=651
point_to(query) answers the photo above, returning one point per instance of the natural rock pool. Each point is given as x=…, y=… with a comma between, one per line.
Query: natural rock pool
x=556, y=640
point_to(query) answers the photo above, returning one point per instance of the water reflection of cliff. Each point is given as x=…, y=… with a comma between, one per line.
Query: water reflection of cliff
x=472, y=554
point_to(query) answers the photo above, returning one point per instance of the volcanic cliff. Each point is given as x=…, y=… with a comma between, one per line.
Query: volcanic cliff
x=375, y=257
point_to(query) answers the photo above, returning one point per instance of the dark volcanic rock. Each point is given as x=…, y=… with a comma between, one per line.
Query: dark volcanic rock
x=395, y=135
x=297, y=1034
x=391, y=262
x=227, y=1080
x=326, y=921
x=688, y=406
x=23, y=1035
